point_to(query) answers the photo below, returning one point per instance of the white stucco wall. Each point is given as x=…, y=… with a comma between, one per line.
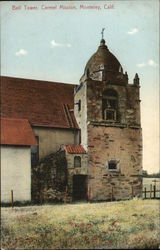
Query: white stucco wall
x=81, y=116
x=15, y=173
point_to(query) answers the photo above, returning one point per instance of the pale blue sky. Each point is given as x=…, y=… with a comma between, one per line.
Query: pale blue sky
x=55, y=45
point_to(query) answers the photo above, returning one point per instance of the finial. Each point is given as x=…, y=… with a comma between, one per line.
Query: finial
x=136, y=79
x=102, y=32
x=126, y=76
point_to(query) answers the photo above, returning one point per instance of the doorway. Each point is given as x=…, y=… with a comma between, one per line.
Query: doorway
x=79, y=187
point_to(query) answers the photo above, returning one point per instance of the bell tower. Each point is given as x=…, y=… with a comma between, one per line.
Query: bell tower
x=109, y=119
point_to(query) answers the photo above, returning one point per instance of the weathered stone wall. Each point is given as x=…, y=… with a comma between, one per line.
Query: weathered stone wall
x=72, y=170
x=128, y=102
x=49, y=178
x=133, y=117
x=120, y=139
x=123, y=144
x=54, y=174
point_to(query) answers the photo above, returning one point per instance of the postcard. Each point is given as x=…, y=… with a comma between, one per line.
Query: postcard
x=80, y=124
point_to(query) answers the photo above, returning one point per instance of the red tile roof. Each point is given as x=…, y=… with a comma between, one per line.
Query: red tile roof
x=16, y=132
x=42, y=103
x=75, y=149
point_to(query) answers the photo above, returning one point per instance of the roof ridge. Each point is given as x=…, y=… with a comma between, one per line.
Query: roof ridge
x=15, y=132
x=41, y=104
x=38, y=80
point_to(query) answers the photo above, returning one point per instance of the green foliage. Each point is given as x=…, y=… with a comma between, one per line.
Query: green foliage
x=154, y=175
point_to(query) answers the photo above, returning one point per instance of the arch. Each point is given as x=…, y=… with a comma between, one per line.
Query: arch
x=109, y=105
x=77, y=161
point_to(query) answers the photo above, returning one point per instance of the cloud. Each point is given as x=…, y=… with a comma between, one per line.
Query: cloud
x=55, y=44
x=21, y=52
x=141, y=65
x=152, y=63
x=133, y=31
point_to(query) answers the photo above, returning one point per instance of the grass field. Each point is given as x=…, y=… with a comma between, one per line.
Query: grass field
x=124, y=224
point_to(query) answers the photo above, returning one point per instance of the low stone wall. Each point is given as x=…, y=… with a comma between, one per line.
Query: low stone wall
x=49, y=178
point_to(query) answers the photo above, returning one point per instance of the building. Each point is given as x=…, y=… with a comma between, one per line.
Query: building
x=89, y=137
x=110, y=125
x=16, y=140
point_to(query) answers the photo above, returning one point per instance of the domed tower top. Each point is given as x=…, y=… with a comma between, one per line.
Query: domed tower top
x=105, y=62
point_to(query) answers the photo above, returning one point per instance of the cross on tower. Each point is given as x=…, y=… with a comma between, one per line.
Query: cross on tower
x=102, y=32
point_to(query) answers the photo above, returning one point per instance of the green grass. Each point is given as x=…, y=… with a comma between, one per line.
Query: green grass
x=125, y=224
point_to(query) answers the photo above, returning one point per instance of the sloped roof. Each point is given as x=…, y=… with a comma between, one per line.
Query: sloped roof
x=16, y=132
x=42, y=103
x=75, y=149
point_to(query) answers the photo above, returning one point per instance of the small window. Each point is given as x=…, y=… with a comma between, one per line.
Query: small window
x=79, y=105
x=113, y=165
x=77, y=161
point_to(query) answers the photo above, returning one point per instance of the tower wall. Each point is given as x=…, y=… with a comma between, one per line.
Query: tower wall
x=128, y=102
x=123, y=145
x=81, y=115
x=111, y=127
x=119, y=140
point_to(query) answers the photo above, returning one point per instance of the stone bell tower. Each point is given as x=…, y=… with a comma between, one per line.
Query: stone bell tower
x=108, y=115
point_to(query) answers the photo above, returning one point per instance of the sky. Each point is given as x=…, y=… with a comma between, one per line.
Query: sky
x=49, y=40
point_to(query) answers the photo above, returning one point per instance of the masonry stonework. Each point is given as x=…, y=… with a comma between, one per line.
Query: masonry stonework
x=113, y=139
x=52, y=177
x=122, y=144
x=76, y=171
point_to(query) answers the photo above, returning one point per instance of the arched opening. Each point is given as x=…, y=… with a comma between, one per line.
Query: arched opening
x=110, y=105
x=77, y=161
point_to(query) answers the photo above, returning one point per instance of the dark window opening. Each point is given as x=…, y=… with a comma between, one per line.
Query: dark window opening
x=35, y=152
x=112, y=165
x=77, y=161
x=79, y=105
